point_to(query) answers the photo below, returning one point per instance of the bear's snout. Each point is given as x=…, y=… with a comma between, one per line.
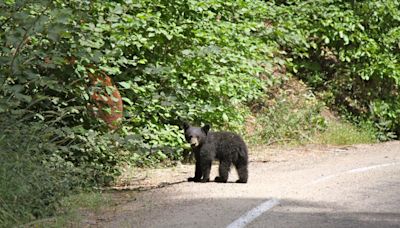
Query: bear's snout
x=194, y=142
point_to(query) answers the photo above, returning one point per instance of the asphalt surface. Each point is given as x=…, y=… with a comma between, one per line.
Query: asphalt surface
x=356, y=186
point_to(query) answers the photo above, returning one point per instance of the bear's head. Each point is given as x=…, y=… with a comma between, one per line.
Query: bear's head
x=196, y=136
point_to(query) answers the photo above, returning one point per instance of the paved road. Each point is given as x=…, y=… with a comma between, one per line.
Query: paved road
x=356, y=186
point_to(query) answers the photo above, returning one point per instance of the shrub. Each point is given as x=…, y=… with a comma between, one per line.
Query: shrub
x=346, y=49
x=290, y=114
x=32, y=184
x=171, y=60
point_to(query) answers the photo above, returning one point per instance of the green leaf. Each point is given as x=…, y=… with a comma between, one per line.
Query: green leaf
x=22, y=97
x=225, y=118
x=127, y=100
x=125, y=85
x=86, y=96
x=110, y=90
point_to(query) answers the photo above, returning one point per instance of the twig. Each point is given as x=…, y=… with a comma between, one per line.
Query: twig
x=142, y=188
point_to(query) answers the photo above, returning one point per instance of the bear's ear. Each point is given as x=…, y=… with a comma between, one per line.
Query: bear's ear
x=206, y=128
x=185, y=126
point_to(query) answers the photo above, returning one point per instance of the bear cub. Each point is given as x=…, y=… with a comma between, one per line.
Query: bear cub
x=227, y=147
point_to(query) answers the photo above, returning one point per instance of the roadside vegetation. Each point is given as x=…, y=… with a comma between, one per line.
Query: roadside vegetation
x=345, y=133
x=265, y=69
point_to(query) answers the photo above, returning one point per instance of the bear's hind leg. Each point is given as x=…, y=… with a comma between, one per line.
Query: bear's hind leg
x=224, y=167
x=241, y=167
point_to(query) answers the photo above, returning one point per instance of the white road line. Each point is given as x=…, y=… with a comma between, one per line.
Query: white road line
x=253, y=213
x=358, y=170
x=322, y=179
x=269, y=204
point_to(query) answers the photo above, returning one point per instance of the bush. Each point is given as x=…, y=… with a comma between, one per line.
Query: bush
x=40, y=165
x=347, y=51
x=171, y=60
x=31, y=186
x=290, y=114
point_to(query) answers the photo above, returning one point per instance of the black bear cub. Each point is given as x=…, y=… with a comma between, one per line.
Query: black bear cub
x=207, y=146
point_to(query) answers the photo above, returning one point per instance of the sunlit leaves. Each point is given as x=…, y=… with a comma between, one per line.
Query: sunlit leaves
x=355, y=46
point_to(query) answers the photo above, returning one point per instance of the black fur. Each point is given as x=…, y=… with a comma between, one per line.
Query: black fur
x=229, y=148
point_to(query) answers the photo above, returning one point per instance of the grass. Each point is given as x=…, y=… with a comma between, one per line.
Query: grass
x=92, y=201
x=74, y=209
x=343, y=133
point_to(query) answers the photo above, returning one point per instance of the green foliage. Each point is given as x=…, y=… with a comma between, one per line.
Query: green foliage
x=290, y=115
x=199, y=61
x=181, y=60
x=41, y=164
x=32, y=184
x=348, y=50
x=198, y=65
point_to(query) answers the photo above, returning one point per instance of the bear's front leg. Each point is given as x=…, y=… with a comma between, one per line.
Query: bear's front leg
x=206, y=168
x=197, y=173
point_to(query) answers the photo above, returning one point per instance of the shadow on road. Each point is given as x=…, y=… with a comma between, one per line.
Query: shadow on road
x=294, y=213
x=220, y=212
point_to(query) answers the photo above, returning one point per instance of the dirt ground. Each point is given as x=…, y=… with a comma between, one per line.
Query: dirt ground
x=146, y=179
